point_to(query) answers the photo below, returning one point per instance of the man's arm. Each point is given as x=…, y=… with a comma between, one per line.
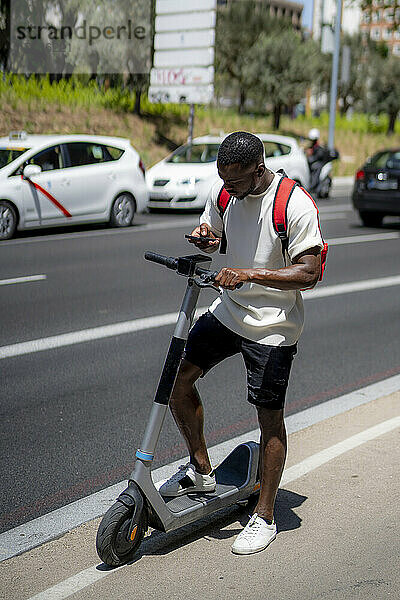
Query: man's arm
x=303, y=273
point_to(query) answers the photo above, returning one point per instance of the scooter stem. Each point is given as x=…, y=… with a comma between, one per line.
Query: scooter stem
x=145, y=454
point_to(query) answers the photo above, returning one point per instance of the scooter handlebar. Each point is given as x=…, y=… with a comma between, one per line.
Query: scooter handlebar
x=172, y=263
x=167, y=261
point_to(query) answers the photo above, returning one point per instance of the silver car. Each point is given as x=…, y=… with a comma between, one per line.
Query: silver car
x=183, y=179
x=50, y=180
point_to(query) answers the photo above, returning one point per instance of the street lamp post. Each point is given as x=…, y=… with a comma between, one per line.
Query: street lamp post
x=334, y=76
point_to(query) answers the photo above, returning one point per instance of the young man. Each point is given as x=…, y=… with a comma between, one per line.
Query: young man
x=262, y=320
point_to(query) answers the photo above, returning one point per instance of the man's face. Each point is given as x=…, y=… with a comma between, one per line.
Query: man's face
x=241, y=181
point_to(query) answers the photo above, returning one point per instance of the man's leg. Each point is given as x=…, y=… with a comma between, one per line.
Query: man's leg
x=273, y=447
x=187, y=410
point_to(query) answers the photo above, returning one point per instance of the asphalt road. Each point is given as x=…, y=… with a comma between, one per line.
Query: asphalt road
x=72, y=417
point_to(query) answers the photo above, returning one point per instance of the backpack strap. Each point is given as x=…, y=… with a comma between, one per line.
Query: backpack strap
x=324, y=251
x=279, y=210
x=222, y=204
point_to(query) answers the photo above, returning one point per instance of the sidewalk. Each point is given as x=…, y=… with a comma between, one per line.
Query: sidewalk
x=337, y=535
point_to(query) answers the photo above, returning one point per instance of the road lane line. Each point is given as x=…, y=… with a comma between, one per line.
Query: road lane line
x=26, y=279
x=320, y=458
x=360, y=239
x=91, y=575
x=114, y=329
x=332, y=216
x=348, y=288
x=57, y=522
x=335, y=208
x=175, y=224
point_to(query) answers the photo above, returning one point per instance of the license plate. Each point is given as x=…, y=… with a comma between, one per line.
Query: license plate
x=388, y=184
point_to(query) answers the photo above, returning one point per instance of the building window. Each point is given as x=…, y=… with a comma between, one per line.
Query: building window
x=387, y=34
x=376, y=16
x=375, y=34
x=389, y=16
x=396, y=49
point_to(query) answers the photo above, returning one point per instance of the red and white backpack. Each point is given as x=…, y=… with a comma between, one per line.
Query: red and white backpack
x=283, y=194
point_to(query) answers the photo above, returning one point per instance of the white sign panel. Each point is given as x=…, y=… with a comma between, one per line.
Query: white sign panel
x=203, y=57
x=180, y=6
x=183, y=51
x=185, y=22
x=182, y=94
x=184, y=39
x=190, y=76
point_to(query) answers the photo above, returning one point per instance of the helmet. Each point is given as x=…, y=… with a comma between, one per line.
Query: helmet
x=313, y=134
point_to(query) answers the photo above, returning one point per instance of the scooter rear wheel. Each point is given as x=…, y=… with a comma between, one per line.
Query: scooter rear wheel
x=114, y=545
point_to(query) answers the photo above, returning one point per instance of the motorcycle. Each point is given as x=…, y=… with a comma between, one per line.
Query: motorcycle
x=320, y=172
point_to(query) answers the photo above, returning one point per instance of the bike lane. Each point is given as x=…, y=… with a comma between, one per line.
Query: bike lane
x=336, y=514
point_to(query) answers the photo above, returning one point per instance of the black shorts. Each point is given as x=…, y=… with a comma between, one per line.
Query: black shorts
x=268, y=367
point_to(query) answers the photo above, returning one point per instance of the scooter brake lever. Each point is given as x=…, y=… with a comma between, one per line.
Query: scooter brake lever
x=205, y=281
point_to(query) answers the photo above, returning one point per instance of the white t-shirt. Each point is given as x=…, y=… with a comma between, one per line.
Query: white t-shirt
x=263, y=314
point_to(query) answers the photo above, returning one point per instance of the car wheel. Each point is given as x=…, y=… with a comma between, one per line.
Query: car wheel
x=123, y=211
x=8, y=220
x=371, y=219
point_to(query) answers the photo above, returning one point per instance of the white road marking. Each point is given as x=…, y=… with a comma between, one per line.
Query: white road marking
x=26, y=279
x=361, y=239
x=348, y=288
x=333, y=216
x=51, y=525
x=334, y=208
x=97, y=333
x=320, y=458
x=172, y=224
x=87, y=577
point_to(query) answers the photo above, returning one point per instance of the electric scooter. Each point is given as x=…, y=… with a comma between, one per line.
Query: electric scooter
x=140, y=505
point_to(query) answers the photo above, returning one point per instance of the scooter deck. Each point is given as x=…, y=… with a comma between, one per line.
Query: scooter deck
x=236, y=474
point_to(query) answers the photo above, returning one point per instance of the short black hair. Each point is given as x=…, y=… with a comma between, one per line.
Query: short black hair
x=240, y=147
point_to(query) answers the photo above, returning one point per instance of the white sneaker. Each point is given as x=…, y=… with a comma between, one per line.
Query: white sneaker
x=186, y=481
x=255, y=536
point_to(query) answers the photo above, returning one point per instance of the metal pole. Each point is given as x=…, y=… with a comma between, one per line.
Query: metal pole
x=334, y=77
x=190, y=136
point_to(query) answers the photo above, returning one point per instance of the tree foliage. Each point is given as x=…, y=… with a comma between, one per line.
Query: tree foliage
x=384, y=92
x=239, y=25
x=285, y=67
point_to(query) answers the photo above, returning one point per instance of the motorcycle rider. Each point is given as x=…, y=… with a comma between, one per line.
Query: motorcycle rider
x=316, y=156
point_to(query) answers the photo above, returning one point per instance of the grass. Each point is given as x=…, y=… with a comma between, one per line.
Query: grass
x=79, y=106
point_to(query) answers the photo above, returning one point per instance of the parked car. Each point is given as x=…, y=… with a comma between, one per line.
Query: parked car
x=183, y=179
x=376, y=191
x=49, y=180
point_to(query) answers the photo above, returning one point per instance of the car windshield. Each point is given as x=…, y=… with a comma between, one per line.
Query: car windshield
x=7, y=155
x=201, y=153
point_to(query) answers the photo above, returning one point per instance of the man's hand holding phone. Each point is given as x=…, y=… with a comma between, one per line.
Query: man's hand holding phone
x=203, y=238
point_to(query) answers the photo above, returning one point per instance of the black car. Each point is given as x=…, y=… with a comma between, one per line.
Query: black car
x=376, y=191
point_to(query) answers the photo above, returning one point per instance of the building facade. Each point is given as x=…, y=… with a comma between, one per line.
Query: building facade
x=278, y=8
x=324, y=16
x=377, y=24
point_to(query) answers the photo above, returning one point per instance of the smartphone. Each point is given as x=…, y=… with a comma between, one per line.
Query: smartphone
x=202, y=238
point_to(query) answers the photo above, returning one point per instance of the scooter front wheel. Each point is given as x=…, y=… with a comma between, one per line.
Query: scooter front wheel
x=118, y=537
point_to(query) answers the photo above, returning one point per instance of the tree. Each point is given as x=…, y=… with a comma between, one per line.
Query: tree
x=384, y=94
x=239, y=26
x=285, y=67
x=354, y=90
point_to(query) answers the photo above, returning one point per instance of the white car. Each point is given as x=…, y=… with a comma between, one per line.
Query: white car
x=49, y=180
x=183, y=179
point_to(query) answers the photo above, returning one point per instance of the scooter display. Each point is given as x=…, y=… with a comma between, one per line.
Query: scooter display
x=140, y=505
